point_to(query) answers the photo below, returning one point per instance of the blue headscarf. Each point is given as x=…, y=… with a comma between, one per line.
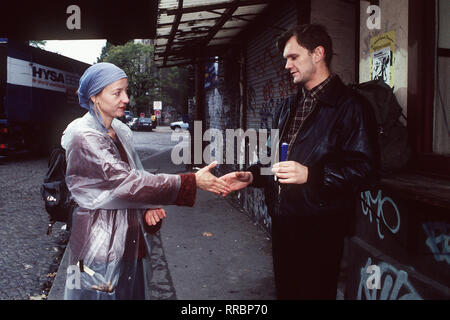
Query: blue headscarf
x=93, y=80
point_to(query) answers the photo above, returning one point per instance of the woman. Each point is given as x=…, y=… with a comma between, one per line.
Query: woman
x=117, y=198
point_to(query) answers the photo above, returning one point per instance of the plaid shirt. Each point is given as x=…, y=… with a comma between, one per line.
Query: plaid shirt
x=305, y=106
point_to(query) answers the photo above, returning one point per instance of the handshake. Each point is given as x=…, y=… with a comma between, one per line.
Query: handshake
x=205, y=180
x=225, y=184
x=287, y=172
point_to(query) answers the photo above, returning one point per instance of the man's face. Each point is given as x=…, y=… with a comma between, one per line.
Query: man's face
x=299, y=61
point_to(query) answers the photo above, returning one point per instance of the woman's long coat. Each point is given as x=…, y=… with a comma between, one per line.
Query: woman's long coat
x=109, y=250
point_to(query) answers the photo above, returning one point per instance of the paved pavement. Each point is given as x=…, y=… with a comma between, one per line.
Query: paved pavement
x=215, y=251
x=28, y=257
x=210, y=251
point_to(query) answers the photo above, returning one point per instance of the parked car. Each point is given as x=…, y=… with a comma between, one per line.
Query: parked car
x=144, y=124
x=178, y=125
x=128, y=115
x=133, y=124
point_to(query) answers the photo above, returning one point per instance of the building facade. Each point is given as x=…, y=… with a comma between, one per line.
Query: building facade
x=402, y=229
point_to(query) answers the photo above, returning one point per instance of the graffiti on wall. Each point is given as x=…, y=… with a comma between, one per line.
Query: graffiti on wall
x=273, y=91
x=253, y=201
x=438, y=239
x=267, y=62
x=263, y=112
x=268, y=90
x=217, y=109
x=283, y=89
x=384, y=209
x=268, y=58
x=394, y=284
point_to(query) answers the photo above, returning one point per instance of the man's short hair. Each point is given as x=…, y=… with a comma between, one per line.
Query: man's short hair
x=309, y=36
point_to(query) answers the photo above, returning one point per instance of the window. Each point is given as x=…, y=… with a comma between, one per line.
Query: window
x=428, y=85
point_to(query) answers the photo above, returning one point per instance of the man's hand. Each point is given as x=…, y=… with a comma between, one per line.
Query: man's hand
x=154, y=215
x=207, y=181
x=237, y=180
x=290, y=172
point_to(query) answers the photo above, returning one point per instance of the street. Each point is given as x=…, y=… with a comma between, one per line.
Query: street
x=155, y=148
x=210, y=251
x=29, y=258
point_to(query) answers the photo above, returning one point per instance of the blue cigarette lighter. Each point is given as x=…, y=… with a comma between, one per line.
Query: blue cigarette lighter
x=284, y=150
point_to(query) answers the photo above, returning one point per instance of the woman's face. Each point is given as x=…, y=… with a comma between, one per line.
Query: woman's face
x=112, y=100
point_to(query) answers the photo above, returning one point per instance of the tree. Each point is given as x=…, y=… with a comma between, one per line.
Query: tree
x=176, y=86
x=135, y=60
x=104, y=52
x=147, y=83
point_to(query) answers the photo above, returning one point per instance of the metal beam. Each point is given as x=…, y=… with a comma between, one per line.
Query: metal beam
x=192, y=51
x=195, y=46
x=257, y=24
x=215, y=12
x=203, y=41
x=205, y=19
x=174, y=29
x=187, y=40
x=227, y=5
x=183, y=34
x=225, y=17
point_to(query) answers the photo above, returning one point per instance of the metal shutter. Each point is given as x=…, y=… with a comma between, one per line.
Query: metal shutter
x=268, y=83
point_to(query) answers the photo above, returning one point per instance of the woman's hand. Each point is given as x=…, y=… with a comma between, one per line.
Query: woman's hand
x=207, y=181
x=154, y=215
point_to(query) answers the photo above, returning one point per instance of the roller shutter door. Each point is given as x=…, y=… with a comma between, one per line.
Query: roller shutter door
x=268, y=83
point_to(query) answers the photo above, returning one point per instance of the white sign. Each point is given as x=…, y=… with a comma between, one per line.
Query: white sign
x=157, y=105
x=30, y=74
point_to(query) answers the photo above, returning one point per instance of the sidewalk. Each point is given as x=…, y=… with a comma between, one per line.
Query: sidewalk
x=210, y=251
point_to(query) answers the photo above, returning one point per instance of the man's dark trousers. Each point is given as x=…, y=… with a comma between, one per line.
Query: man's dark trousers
x=307, y=252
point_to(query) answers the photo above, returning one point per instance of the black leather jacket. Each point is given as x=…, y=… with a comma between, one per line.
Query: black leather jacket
x=337, y=142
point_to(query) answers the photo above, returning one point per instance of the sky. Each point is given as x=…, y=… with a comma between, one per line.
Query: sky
x=84, y=50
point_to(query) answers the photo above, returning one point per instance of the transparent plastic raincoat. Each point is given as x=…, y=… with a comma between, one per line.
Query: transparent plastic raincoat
x=109, y=249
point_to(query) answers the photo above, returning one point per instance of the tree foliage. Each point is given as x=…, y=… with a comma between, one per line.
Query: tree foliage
x=104, y=52
x=147, y=83
x=135, y=60
x=177, y=86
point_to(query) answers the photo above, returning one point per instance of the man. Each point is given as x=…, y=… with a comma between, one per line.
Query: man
x=332, y=156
